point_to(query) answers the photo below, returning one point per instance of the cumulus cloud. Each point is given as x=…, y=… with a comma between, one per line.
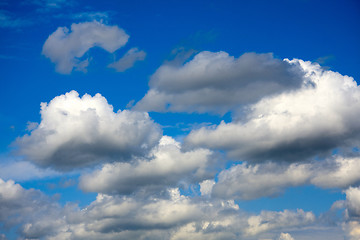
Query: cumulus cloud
x=37, y=214
x=245, y=181
x=66, y=47
x=353, y=201
x=173, y=216
x=165, y=166
x=351, y=225
x=77, y=131
x=216, y=82
x=128, y=60
x=292, y=126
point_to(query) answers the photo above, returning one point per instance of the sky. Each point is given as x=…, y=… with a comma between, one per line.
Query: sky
x=180, y=119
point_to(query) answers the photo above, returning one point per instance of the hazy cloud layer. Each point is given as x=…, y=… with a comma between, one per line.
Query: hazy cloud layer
x=76, y=132
x=216, y=82
x=165, y=166
x=66, y=48
x=128, y=60
x=292, y=126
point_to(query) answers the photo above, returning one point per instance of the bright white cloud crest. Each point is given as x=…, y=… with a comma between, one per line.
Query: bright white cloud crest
x=66, y=47
x=78, y=131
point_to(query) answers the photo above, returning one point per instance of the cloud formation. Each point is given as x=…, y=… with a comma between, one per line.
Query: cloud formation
x=128, y=60
x=292, y=126
x=244, y=181
x=165, y=166
x=66, y=48
x=174, y=216
x=76, y=132
x=216, y=82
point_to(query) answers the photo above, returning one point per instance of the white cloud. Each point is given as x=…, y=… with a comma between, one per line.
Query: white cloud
x=244, y=181
x=20, y=206
x=353, y=201
x=268, y=220
x=352, y=230
x=251, y=182
x=128, y=60
x=285, y=236
x=23, y=171
x=292, y=126
x=66, y=47
x=206, y=187
x=217, y=82
x=76, y=132
x=165, y=166
x=172, y=216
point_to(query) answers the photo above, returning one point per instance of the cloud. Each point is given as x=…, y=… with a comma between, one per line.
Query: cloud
x=128, y=60
x=269, y=220
x=353, y=201
x=76, y=132
x=171, y=216
x=292, y=126
x=352, y=229
x=285, y=236
x=37, y=214
x=23, y=171
x=251, y=182
x=351, y=225
x=216, y=82
x=165, y=166
x=66, y=48
x=244, y=181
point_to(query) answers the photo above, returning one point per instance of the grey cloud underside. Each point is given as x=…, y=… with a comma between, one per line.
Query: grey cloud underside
x=218, y=83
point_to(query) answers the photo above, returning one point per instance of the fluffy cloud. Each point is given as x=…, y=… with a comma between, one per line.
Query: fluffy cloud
x=292, y=126
x=217, y=82
x=246, y=181
x=269, y=220
x=66, y=47
x=352, y=209
x=128, y=60
x=285, y=236
x=36, y=213
x=76, y=132
x=353, y=201
x=165, y=166
x=251, y=182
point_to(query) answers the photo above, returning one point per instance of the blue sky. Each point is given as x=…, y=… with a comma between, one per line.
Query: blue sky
x=179, y=119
